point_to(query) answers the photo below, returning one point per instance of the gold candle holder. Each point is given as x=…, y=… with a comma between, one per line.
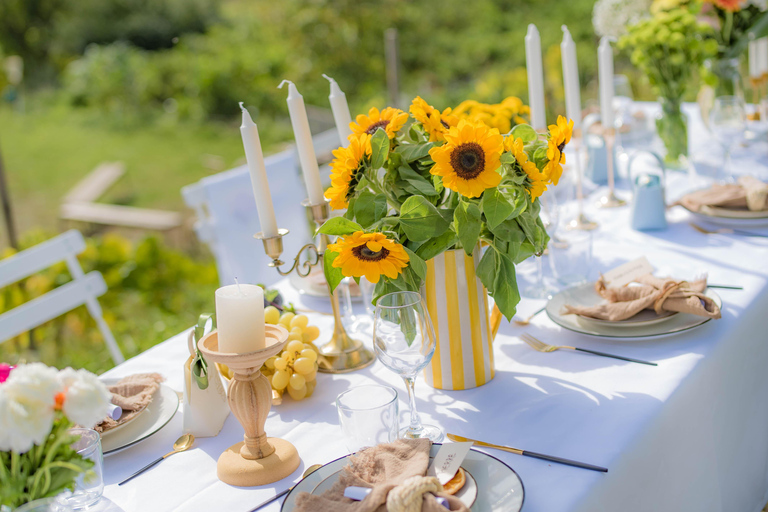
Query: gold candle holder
x=342, y=353
x=610, y=200
x=258, y=459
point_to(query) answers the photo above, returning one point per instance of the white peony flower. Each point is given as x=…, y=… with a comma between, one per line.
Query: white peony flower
x=87, y=399
x=611, y=17
x=27, y=401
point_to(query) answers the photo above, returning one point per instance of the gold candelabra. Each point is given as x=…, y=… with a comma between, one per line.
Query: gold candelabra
x=342, y=353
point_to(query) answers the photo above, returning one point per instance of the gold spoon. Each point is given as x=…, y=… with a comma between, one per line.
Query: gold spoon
x=526, y=321
x=311, y=469
x=183, y=443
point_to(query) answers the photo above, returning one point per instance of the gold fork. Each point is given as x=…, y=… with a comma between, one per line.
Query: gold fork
x=527, y=320
x=724, y=231
x=543, y=347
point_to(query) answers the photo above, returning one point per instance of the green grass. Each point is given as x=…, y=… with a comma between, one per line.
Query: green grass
x=48, y=149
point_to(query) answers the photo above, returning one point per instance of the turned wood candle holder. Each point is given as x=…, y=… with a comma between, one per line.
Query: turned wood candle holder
x=258, y=459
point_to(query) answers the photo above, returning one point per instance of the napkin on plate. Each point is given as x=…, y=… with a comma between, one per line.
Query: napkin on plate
x=748, y=194
x=658, y=293
x=382, y=468
x=132, y=394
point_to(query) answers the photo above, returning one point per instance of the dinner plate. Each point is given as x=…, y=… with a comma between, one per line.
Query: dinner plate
x=585, y=295
x=499, y=488
x=733, y=219
x=157, y=414
x=121, y=426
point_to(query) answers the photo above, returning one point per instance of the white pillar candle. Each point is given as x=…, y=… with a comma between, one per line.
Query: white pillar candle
x=535, y=78
x=340, y=109
x=762, y=56
x=605, y=77
x=255, y=158
x=304, y=145
x=240, y=318
x=754, y=62
x=571, y=79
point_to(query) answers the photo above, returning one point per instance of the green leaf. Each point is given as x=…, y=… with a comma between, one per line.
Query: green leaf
x=339, y=226
x=467, y=217
x=496, y=207
x=540, y=157
x=422, y=185
x=507, y=158
x=412, y=152
x=505, y=292
x=533, y=231
x=332, y=275
x=510, y=231
x=525, y=132
x=486, y=269
x=370, y=208
x=417, y=264
x=435, y=246
x=421, y=220
x=379, y=149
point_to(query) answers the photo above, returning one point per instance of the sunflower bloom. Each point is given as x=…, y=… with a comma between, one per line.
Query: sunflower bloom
x=434, y=122
x=346, y=169
x=559, y=136
x=469, y=159
x=538, y=179
x=370, y=255
x=390, y=119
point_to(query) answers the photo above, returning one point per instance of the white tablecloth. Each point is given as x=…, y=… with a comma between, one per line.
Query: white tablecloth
x=688, y=435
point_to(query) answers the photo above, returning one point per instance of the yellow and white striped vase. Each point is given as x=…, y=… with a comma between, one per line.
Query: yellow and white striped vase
x=458, y=306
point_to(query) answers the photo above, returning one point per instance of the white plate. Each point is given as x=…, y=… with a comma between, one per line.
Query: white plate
x=499, y=488
x=730, y=221
x=158, y=413
x=643, y=318
x=585, y=295
x=123, y=425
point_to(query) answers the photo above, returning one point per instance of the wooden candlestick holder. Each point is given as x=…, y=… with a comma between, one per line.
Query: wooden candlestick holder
x=258, y=459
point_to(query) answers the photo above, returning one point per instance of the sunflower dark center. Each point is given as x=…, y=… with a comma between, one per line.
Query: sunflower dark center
x=362, y=252
x=375, y=126
x=468, y=160
x=445, y=125
x=561, y=147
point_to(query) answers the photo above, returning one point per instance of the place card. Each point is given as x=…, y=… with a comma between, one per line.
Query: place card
x=628, y=272
x=448, y=460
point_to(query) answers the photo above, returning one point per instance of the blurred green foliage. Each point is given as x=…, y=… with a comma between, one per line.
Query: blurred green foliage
x=153, y=293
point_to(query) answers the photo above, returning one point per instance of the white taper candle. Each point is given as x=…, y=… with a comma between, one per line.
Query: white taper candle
x=754, y=60
x=571, y=79
x=304, y=146
x=605, y=77
x=255, y=158
x=340, y=109
x=535, y=78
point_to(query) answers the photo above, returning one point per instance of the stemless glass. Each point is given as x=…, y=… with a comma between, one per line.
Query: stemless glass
x=368, y=415
x=728, y=121
x=90, y=485
x=404, y=340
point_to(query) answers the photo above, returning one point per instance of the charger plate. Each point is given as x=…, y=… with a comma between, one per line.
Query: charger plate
x=499, y=488
x=585, y=295
x=155, y=416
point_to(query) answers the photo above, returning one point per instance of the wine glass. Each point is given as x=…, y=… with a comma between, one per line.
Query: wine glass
x=404, y=340
x=550, y=216
x=728, y=121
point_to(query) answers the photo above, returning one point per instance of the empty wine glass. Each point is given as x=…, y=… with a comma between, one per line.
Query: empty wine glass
x=728, y=121
x=404, y=340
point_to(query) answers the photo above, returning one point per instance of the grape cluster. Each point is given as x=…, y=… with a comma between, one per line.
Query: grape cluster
x=295, y=369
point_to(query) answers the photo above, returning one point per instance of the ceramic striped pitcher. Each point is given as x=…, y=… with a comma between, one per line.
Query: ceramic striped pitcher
x=458, y=306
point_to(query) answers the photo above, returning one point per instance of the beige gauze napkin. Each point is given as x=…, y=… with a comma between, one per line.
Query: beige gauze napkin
x=132, y=394
x=382, y=468
x=658, y=293
x=748, y=194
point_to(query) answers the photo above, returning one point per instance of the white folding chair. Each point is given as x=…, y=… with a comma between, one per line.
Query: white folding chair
x=227, y=218
x=83, y=289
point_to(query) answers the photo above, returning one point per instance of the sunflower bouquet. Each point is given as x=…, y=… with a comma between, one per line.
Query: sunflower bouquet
x=415, y=186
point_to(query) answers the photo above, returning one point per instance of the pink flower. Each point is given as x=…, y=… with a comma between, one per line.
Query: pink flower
x=5, y=371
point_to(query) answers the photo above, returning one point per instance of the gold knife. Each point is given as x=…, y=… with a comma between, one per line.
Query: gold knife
x=526, y=453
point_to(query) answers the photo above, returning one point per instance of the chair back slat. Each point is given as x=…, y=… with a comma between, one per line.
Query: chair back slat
x=54, y=303
x=40, y=257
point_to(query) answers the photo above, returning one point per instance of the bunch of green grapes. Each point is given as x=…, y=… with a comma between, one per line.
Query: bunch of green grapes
x=295, y=369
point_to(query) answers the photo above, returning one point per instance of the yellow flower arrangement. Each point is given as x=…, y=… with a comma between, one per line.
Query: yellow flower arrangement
x=345, y=167
x=502, y=116
x=559, y=135
x=537, y=178
x=370, y=255
x=390, y=119
x=469, y=159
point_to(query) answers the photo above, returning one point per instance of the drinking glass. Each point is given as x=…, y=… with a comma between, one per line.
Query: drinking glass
x=56, y=504
x=571, y=257
x=550, y=217
x=89, y=485
x=368, y=415
x=728, y=121
x=404, y=340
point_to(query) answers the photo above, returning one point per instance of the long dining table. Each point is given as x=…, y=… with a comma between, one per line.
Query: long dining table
x=690, y=434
